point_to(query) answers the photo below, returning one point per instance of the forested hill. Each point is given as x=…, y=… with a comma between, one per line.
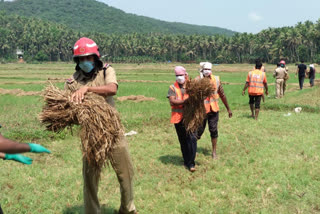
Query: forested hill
x=93, y=16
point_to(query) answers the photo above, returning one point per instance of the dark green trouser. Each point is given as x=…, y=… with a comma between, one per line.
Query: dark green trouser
x=122, y=165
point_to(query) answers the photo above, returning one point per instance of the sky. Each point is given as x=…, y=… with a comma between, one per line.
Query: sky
x=250, y=16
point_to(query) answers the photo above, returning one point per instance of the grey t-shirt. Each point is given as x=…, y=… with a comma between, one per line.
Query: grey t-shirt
x=173, y=93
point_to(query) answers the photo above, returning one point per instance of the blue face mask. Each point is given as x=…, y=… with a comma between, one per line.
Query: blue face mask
x=86, y=66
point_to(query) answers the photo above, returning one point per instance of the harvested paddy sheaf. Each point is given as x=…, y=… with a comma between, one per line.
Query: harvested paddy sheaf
x=19, y=92
x=194, y=111
x=101, y=128
x=136, y=98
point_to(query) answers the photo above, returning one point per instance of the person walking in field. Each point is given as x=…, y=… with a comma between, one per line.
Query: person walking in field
x=301, y=70
x=280, y=73
x=9, y=150
x=91, y=76
x=212, y=106
x=177, y=97
x=312, y=74
x=286, y=77
x=256, y=82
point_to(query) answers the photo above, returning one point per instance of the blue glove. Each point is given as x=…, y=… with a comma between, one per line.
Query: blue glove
x=36, y=148
x=18, y=158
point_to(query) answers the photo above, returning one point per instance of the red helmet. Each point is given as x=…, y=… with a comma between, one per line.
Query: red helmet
x=84, y=47
x=283, y=62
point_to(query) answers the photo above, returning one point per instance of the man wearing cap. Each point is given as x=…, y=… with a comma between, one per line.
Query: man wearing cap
x=177, y=97
x=92, y=76
x=280, y=74
x=212, y=107
x=312, y=74
x=256, y=82
x=301, y=70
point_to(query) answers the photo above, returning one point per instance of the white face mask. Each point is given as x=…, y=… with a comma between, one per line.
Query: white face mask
x=180, y=79
x=206, y=73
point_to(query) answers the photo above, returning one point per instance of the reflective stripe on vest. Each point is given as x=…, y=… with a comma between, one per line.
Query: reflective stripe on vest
x=256, y=86
x=177, y=111
x=211, y=103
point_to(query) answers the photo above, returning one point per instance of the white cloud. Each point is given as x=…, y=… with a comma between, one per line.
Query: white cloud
x=254, y=17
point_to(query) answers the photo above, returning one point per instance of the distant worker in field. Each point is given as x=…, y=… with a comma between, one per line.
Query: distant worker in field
x=212, y=107
x=286, y=76
x=91, y=76
x=263, y=69
x=256, y=82
x=312, y=74
x=301, y=70
x=280, y=74
x=9, y=150
x=177, y=97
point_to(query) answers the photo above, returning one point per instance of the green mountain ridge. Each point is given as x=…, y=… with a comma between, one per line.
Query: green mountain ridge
x=94, y=16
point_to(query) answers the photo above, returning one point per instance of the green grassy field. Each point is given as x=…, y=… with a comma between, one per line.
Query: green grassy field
x=265, y=166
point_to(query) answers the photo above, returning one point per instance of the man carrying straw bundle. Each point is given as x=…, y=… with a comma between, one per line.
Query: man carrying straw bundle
x=91, y=76
x=211, y=106
x=177, y=97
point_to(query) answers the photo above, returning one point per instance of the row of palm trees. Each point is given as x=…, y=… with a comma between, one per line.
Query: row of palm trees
x=47, y=41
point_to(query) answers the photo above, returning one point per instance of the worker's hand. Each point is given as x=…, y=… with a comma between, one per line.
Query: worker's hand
x=18, y=158
x=267, y=93
x=186, y=101
x=78, y=96
x=36, y=148
x=230, y=113
x=243, y=93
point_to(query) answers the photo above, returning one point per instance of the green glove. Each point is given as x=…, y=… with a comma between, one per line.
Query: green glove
x=36, y=148
x=18, y=158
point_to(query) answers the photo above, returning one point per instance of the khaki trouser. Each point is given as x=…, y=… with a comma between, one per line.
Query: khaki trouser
x=279, y=88
x=122, y=165
x=284, y=85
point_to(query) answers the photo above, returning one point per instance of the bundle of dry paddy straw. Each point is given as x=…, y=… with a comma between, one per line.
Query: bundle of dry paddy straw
x=100, y=123
x=194, y=111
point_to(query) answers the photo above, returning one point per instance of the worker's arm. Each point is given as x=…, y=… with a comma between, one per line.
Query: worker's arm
x=245, y=88
x=174, y=102
x=266, y=87
x=106, y=90
x=12, y=147
x=224, y=99
x=9, y=148
x=274, y=73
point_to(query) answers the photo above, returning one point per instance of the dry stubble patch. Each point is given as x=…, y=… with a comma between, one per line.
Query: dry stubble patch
x=136, y=98
x=19, y=92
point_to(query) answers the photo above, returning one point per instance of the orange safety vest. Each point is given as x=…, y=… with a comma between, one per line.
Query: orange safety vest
x=211, y=102
x=177, y=111
x=256, y=86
